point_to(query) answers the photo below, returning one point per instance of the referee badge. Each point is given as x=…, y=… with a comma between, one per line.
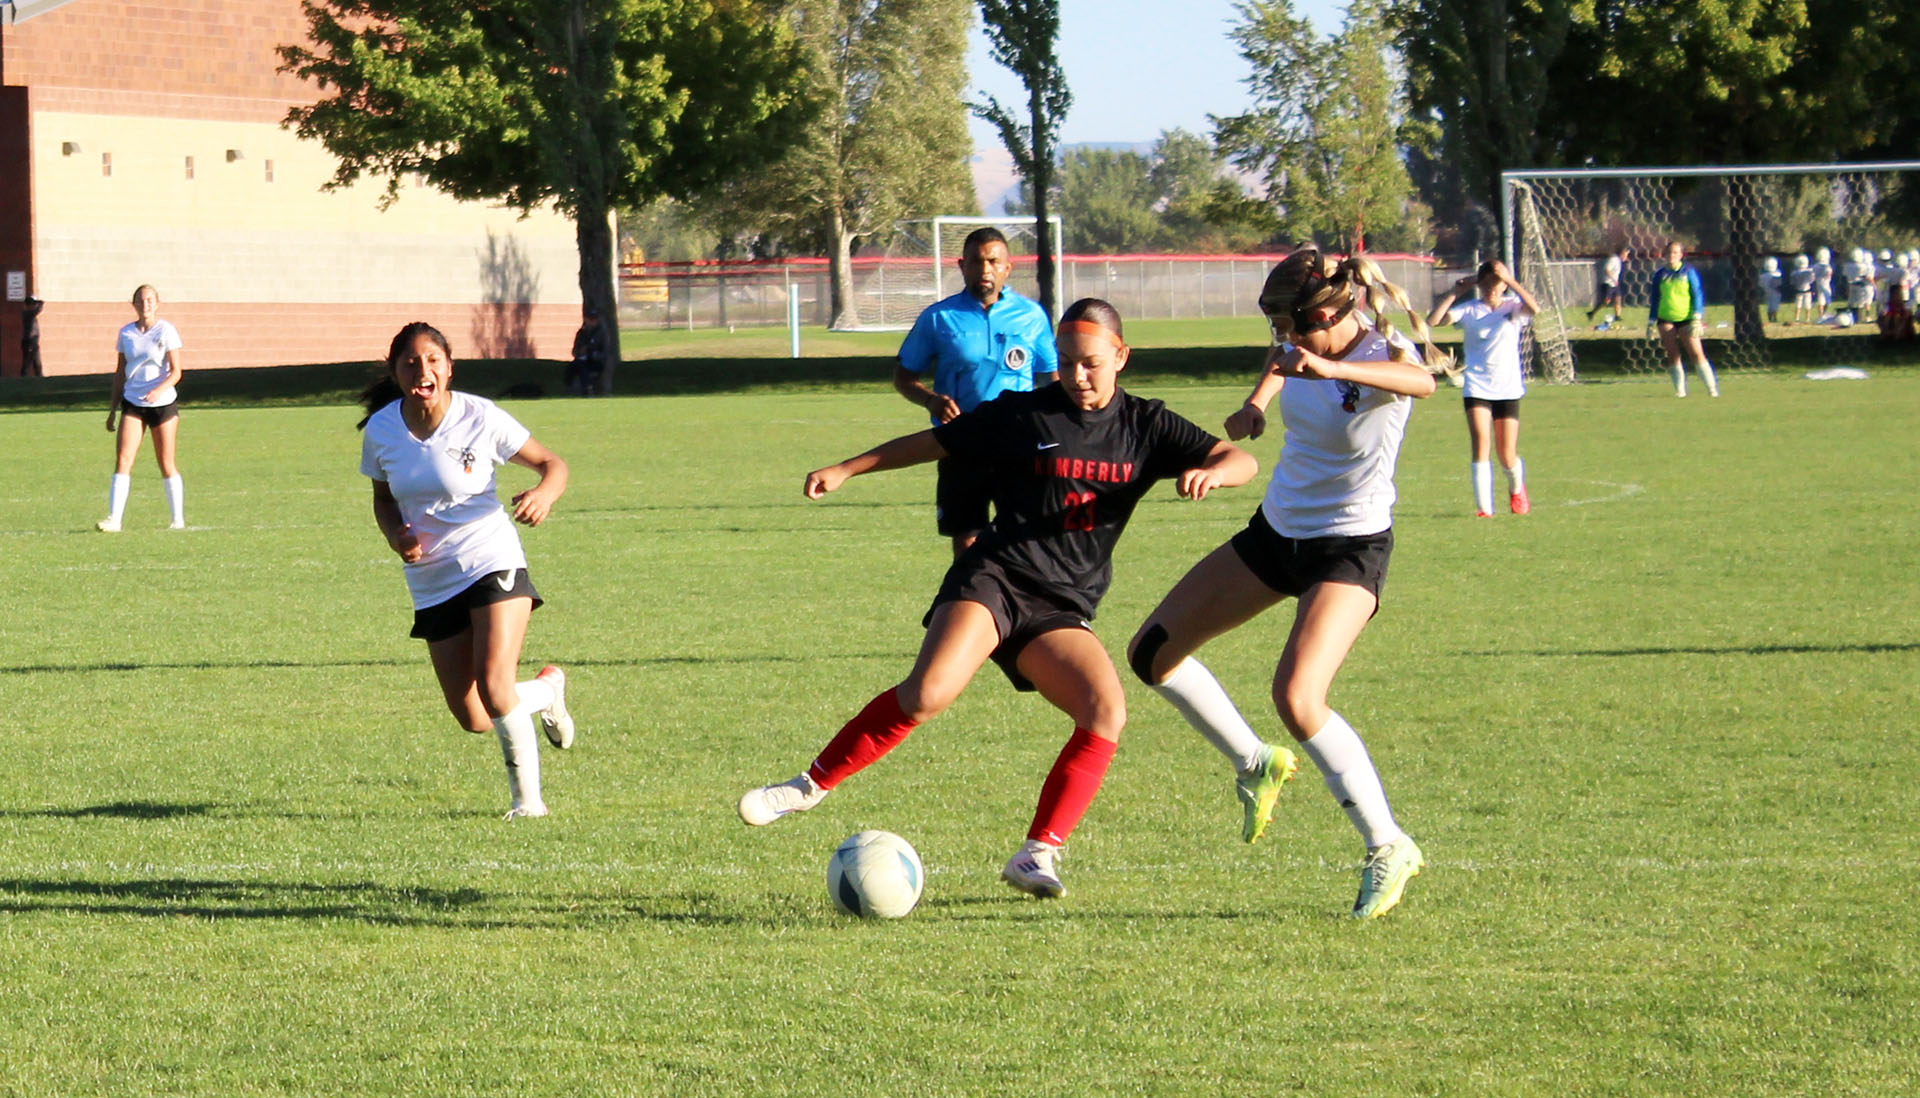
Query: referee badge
x=1016, y=358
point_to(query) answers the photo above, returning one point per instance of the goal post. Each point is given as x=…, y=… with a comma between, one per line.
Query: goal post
x=1747, y=229
x=919, y=265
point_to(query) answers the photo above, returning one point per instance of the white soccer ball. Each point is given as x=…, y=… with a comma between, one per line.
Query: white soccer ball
x=875, y=875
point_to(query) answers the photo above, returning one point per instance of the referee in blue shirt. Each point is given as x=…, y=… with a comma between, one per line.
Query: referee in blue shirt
x=979, y=343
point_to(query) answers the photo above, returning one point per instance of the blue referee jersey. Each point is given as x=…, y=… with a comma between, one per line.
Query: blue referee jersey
x=978, y=353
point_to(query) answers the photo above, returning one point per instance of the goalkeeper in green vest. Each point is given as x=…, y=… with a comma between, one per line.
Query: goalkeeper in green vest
x=1678, y=310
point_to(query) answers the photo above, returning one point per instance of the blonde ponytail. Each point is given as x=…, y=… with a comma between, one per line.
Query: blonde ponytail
x=1366, y=275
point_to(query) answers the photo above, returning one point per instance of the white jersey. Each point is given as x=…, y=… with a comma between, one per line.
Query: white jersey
x=1335, y=475
x=1491, y=342
x=1801, y=279
x=1610, y=271
x=445, y=487
x=1823, y=281
x=147, y=369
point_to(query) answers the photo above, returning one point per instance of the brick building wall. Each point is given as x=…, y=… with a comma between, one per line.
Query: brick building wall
x=154, y=154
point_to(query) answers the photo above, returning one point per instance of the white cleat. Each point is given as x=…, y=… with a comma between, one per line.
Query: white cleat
x=555, y=721
x=108, y=525
x=176, y=525
x=1384, y=876
x=1032, y=870
x=760, y=807
x=526, y=812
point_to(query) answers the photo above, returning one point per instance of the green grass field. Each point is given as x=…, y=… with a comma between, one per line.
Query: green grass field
x=1657, y=740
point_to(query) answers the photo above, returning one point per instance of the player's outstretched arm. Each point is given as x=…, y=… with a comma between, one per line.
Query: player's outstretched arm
x=1226, y=466
x=914, y=449
x=533, y=505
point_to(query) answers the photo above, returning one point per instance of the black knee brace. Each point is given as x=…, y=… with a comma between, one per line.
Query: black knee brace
x=1141, y=660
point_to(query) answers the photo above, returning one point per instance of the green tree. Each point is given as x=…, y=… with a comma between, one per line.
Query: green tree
x=1024, y=34
x=889, y=142
x=1107, y=201
x=581, y=103
x=1325, y=129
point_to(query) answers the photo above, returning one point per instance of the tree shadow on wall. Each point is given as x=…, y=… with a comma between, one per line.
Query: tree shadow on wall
x=508, y=287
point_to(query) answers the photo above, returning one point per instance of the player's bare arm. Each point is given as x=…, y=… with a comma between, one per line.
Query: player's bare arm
x=914, y=449
x=534, y=505
x=1226, y=466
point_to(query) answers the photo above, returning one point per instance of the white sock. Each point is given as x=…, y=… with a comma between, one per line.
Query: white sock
x=1483, y=487
x=176, y=498
x=535, y=695
x=520, y=749
x=1706, y=375
x=1679, y=373
x=1197, y=695
x=117, y=495
x=1344, y=763
x=1517, y=476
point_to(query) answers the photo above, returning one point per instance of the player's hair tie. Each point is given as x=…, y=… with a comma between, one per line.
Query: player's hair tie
x=1089, y=328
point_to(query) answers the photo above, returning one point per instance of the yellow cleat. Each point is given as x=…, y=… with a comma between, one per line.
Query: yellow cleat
x=1384, y=876
x=1259, y=788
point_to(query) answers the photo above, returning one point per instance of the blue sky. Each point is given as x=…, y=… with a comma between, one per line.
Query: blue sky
x=1137, y=67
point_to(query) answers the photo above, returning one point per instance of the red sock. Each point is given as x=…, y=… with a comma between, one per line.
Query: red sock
x=1070, y=786
x=873, y=732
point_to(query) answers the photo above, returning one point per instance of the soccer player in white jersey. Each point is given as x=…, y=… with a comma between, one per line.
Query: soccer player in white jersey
x=1490, y=323
x=1346, y=383
x=144, y=398
x=431, y=453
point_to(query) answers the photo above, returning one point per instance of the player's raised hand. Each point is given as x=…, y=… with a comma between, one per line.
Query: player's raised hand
x=1248, y=422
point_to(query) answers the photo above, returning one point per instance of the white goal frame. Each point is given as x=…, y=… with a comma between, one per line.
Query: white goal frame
x=1652, y=196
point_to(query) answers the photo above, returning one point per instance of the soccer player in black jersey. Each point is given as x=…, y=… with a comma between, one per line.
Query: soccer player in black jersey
x=1067, y=463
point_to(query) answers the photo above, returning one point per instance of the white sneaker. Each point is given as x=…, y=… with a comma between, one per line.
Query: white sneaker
x=555, y=721
x=181, y=525
x=768, y=803
x=1032, y=869
x=108, y=525
x=526, y=812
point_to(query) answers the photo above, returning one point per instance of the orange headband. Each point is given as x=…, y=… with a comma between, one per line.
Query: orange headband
x=1089, y=328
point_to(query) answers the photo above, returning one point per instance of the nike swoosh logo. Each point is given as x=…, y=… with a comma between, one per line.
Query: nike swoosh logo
x=505, y=580
x=1048, y=445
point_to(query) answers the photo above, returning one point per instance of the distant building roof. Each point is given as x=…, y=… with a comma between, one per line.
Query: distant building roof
x=19, y=11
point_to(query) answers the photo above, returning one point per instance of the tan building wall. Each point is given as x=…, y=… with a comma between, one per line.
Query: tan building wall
x=165, y=163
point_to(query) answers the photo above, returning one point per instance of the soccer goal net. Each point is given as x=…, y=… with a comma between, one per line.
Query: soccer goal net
x=919, y=266
x=1800, y=263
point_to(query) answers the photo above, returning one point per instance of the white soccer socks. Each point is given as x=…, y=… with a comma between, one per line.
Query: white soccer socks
x=1707, y=375
x=520, y=748
x=1200, y=699
x=176, y=500
x=117, y=493
x=1517, y=476
x=1678, y=371
x=1482, y=487
x=1348, y=769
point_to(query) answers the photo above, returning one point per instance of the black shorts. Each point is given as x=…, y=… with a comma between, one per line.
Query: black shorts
x=1292, y=566
x=1021, y=610
x=1501, y=409
x=960, y=498
x=448, y=619
x=152, y=417
x=1607, y=294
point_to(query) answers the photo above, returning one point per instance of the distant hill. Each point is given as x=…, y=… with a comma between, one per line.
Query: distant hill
x=994, y=179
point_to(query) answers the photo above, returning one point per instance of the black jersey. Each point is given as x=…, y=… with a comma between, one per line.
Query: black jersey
x=1065, y=481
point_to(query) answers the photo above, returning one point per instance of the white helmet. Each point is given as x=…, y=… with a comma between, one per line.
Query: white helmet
x=1823, y=255
x=1800, y=263
x=1886, y=255
x=1771, y=265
